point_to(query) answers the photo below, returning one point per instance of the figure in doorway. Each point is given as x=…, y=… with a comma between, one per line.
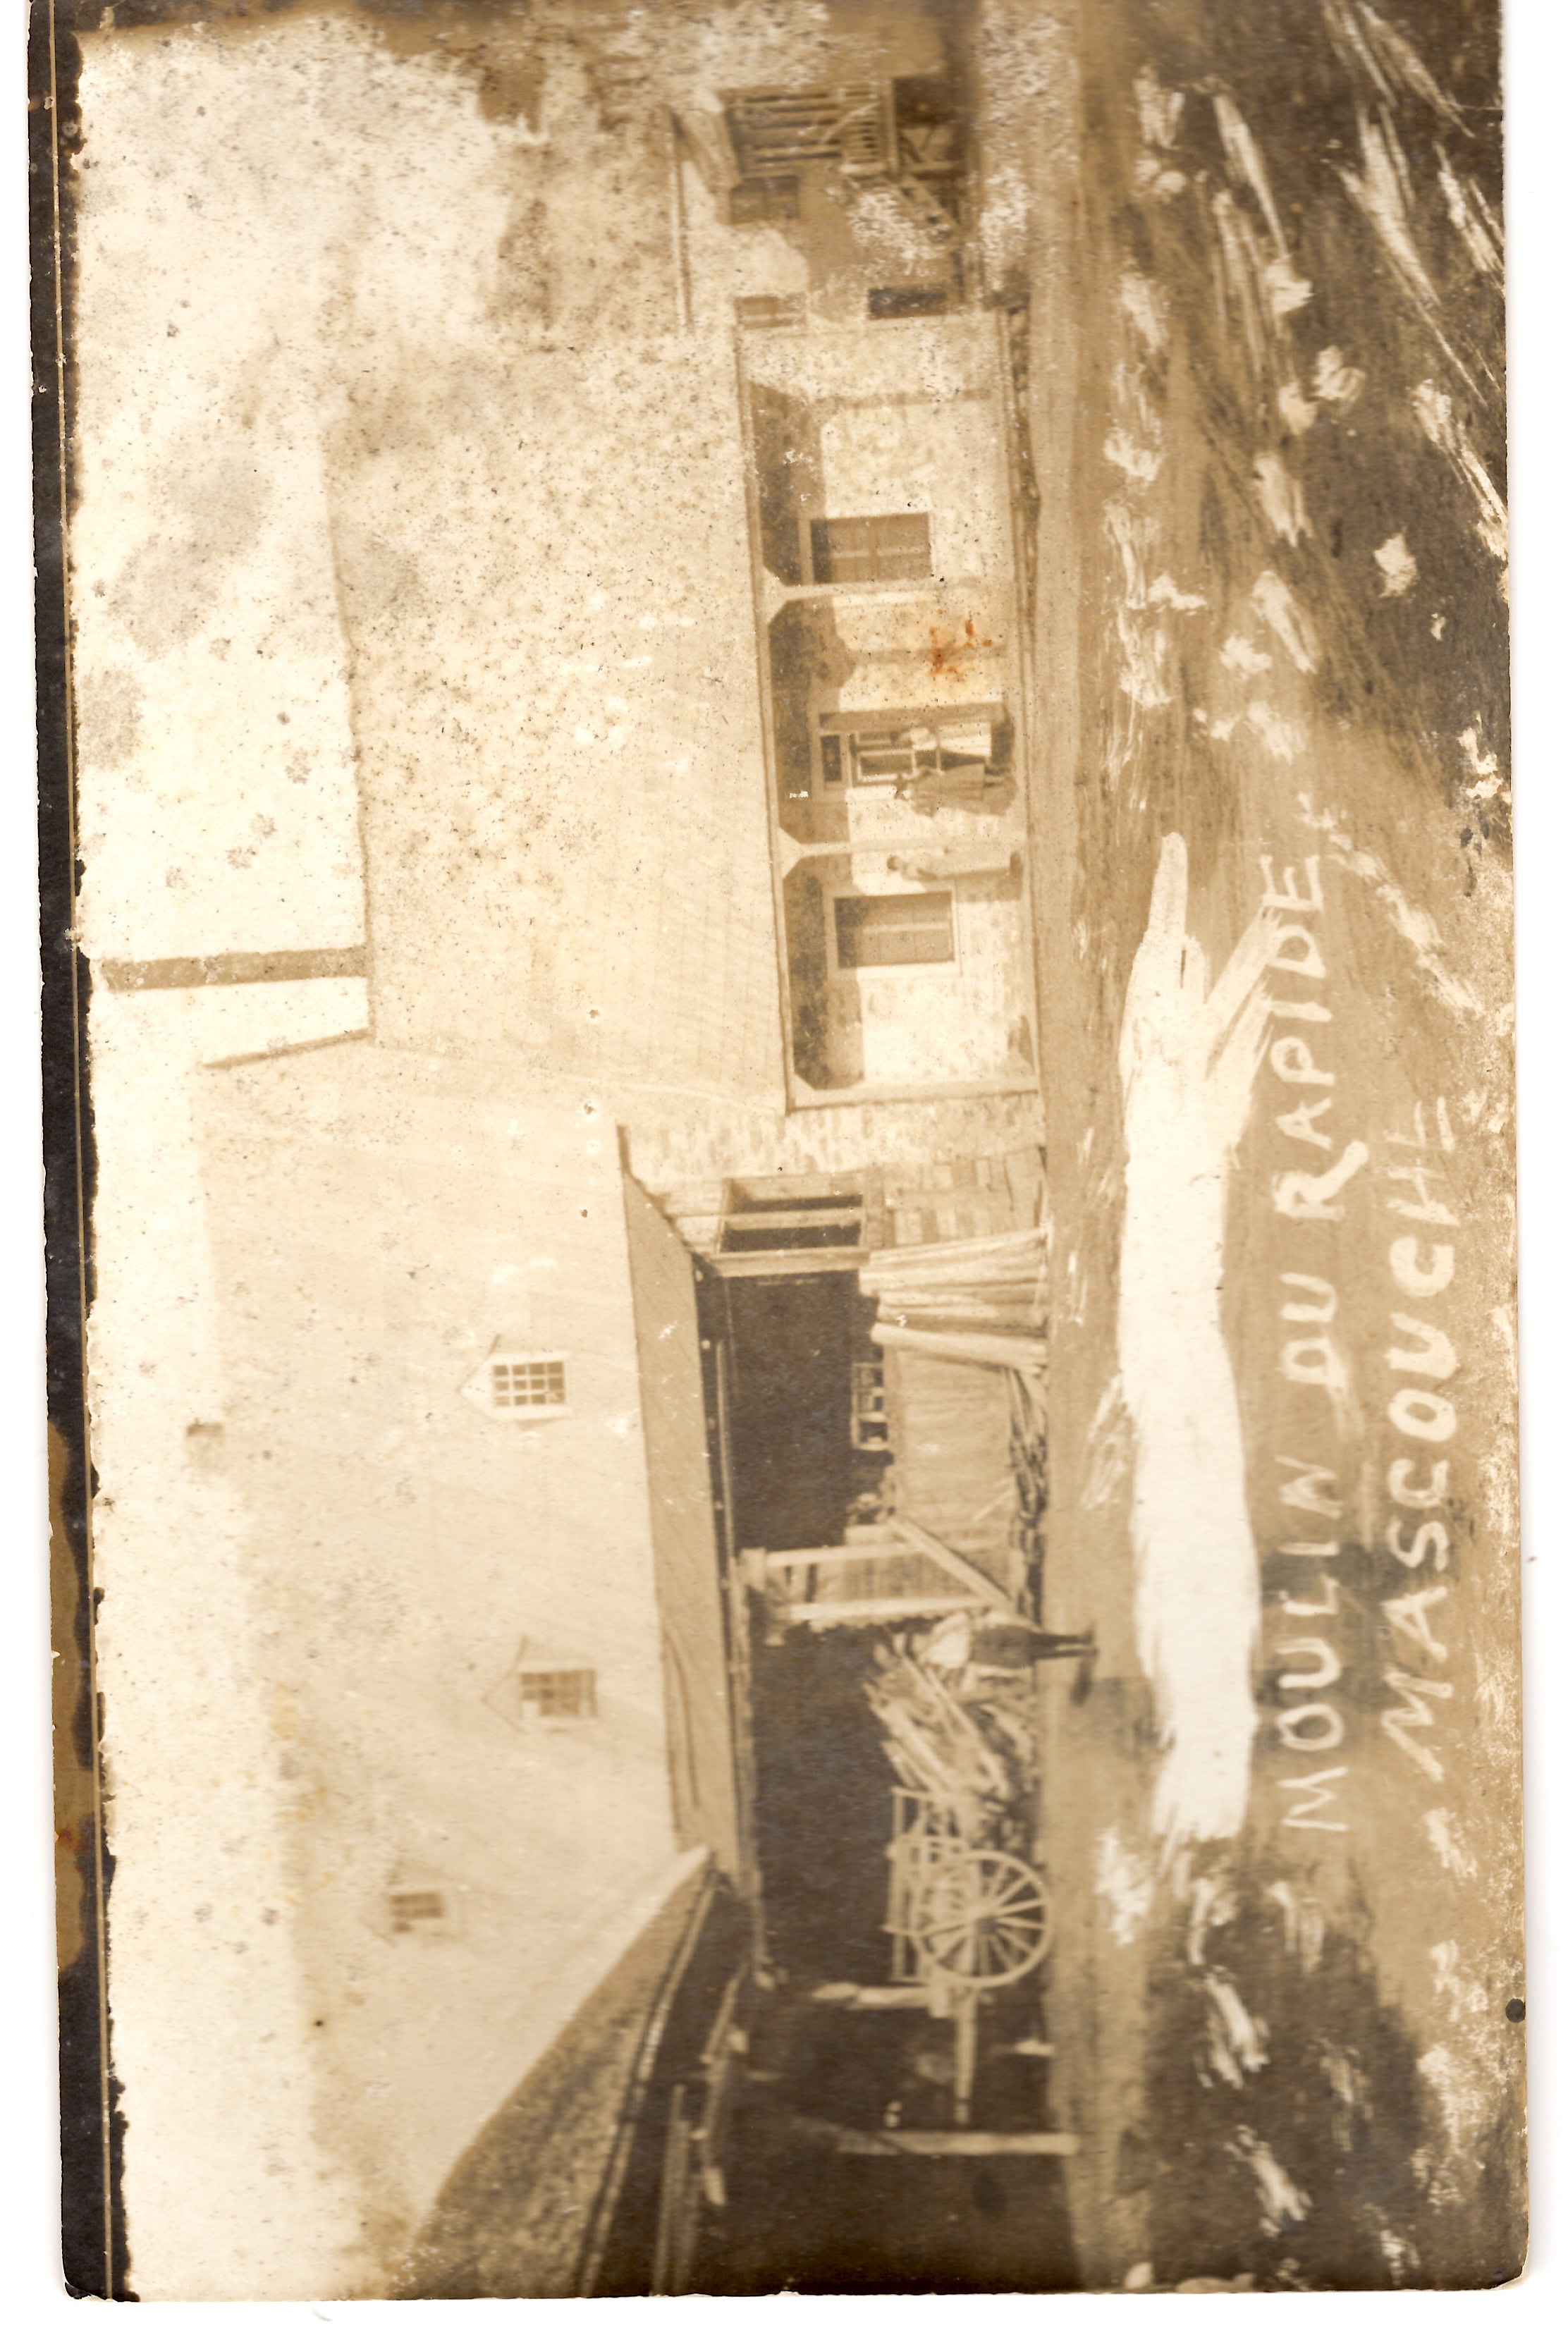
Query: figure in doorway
x=963, y=1641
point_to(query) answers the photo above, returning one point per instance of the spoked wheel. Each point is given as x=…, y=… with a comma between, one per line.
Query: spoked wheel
x=982, y=1920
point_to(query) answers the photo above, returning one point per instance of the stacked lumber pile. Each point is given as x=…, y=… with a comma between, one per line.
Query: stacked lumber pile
x=969, y=1747
x=990, y=1291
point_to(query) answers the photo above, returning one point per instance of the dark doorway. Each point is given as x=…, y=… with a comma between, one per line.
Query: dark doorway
x=822, y=1778
x=824, y=1808
x=790, y=1345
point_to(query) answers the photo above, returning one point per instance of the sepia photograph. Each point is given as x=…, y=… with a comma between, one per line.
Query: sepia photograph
x=778, y=984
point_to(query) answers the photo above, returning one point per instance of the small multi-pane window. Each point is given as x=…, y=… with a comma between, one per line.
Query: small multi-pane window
x=891, y=549
x=420, y=1912
x=756, y=201
x=557, y=1694
x=529, y=1382
x=521, y=1385
x=412, y=1905
x=884, y=928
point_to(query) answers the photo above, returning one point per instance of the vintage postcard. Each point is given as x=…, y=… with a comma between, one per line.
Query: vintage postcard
x=777, y=848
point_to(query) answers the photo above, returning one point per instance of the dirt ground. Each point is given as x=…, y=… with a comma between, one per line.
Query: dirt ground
x=1289, y=2055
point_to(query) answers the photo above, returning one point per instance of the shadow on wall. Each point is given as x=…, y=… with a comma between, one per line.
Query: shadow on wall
x=829, y=1049
x=809, y=663
x=786, y=436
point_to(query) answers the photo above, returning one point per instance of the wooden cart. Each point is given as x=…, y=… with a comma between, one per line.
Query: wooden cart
x=962, y=1918
x=965, y=1918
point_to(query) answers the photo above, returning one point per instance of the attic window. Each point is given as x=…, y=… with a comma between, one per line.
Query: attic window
x=557, y=1694
x=519, y=1384
x=422, y=1910
x=550, y=1687
x=529, y=1382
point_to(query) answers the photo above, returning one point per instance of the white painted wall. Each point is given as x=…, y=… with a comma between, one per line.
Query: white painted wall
x=917, y=1025
x=944, y=459
x=377, y=1222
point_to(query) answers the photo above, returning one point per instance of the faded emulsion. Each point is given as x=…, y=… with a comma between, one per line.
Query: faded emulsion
x=778, y=741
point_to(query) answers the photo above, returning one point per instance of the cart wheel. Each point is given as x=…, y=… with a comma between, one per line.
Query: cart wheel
x=982, y=1920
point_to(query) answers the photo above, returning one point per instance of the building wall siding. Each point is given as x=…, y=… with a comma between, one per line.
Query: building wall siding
x=376, y=1223
x=564, y=831
x=681, y=1439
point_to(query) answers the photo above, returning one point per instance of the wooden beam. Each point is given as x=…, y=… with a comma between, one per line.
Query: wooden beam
x=772, y=1191
x=845, y=1995
x=915, y=1536
x=772, y=1264
x=752, y=1569
x=675, y=2236
x=904, y=2142
x=762, y=1218
x=994, y=1347
x=836, y=1553
x=726, y=1455
x=823, y=1614
x=803, y=1096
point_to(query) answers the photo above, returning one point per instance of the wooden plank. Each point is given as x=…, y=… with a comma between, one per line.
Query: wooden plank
x=788, y=1220
x=820, y=1615
x=993, y=1348
x=779, y=1559
x=805, y=1097
x=753, y=1568
x=726, y=2025
x=906, y=2142
x=764, y=1263
x=915, y=1536
x=966, y=2045
x=738, y=1600
x=845, y=1995
x=771, y=1189
x=673, y=2239
x=726, y=1456
x=1023, y=1249
x=738, y=1574
x=592, y=2259
x=722, y=2062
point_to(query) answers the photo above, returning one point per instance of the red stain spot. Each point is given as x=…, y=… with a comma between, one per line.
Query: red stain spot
x=943, y=665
